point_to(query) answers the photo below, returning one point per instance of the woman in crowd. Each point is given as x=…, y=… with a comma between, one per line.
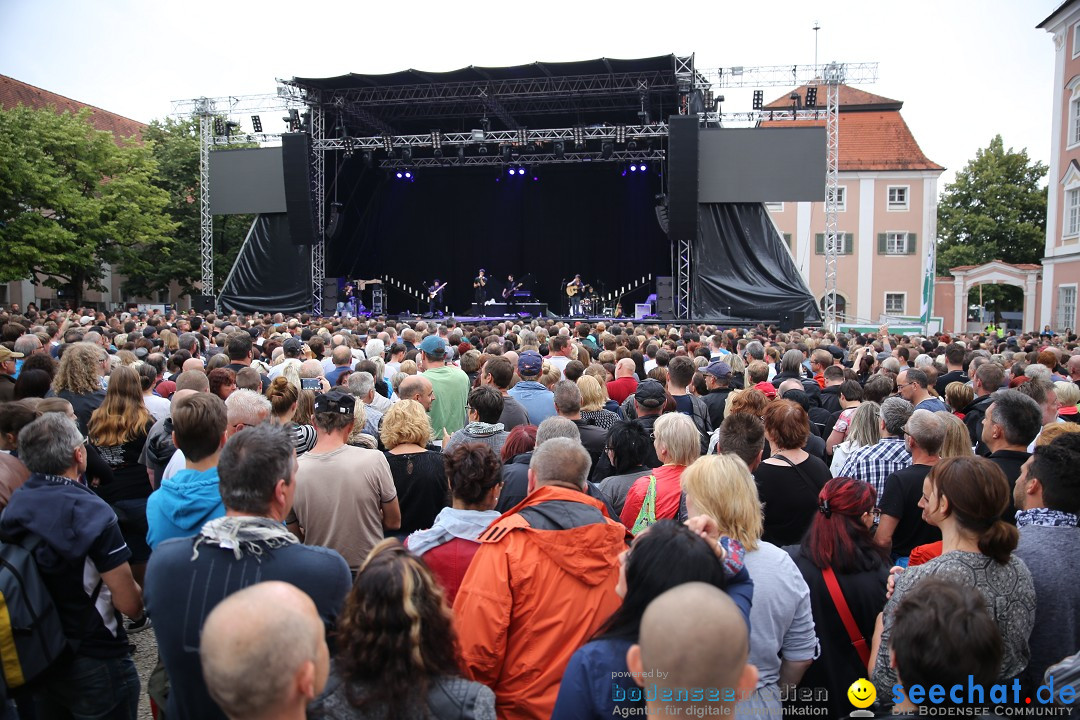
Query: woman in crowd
x=957, y=438
x=1067, y=396
x=449, y=545
x=864, y=428
x=958, y=396
x=628, y=445
x=593, y=399
x=677, y=444
x=78, y=380
x=964, y=497
x=782, y=639
x=118, y=430
x=604, y=374
x=839, y=542
x=851, y=397
x=520, y=441
x=284, y=398
x=222, y=382
x=31, y=384
x=669, y=554
x=396, y=657
x=419, y=475
x=790, y=479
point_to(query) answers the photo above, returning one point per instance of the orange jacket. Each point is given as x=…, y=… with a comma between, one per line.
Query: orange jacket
x=538, y=588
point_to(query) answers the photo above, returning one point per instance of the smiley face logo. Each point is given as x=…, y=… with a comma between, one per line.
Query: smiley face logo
x=862, y=693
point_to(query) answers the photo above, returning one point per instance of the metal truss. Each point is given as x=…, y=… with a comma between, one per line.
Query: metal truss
x=318, y=175
x=833, y=78
x=790, y=75
x=683, y=268
x=285, y=98
x=206, y=220
x=758, y=116
x=529, y=159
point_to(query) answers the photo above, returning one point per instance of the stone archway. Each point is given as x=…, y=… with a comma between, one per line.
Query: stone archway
x=965, y=277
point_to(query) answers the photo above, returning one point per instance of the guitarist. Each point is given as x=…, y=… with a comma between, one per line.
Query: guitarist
x=574, y=291
x=479, y=284
x=435, y=296
x=511, y=288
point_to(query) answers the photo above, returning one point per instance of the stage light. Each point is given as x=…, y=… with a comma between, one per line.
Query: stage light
x=436, y=139
x=560, y=150
x=219, y=126
x=483, y=150
x=256, y=123
x=759, y=99
x=643, y=167
x=633, y=168
x=349, y=145
x=579, y=137
x=408, y=175
x=811, y=96
x=536, y=179
x=521, y=171
x=388, y=144
x=478, y=135
x=292, y=120
x=620, y=134
x=607, y=149
x=400, y=174
x=631, y=146
x=510, y=171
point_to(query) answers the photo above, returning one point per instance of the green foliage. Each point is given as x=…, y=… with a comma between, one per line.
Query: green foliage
x=73, y=201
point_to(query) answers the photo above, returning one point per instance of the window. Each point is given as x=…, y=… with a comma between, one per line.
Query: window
x=1072, y=138
x=1076, y=38
x=774, y=206
x=841, y=198
x=896, y=243
x=1066, y=307
x=895, y=303
x=1072, y=212
x=847, y=243
x=898, y=197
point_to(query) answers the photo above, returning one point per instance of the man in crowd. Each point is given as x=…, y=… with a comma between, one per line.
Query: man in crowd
x=874, y=463
x=988, y=379
x=451, y=387
x=901, y=527
x=499, y=373
x=361, y=385
x=342, y=363
x=83, y=561
x=625, y=382
x=562, y=352
x=187, y=577
x=293, y=350
x=830, y=394
x=515, y=476
x=718, y=383
x=538, y=401
x=911, y=384
x=243, y=409
x=568, y=405
x=345, y=496
x=524, y=607
x=1012, y=421
x=8, y=360
x=418, y=388
x=954, y=366
x=1042, y=392
x=264, y=654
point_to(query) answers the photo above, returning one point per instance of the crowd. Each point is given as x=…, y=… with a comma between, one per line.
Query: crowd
x=350, y=518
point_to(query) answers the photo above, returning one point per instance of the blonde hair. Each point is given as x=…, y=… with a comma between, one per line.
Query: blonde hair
x=1067, y=393
x=864, y=428
x=405, y=422
x=549, y=376
x=78, y=369
x=957, y=438
x=959, y=395
x=680, y=438
x=722, y=487
x=123, y=415
x=592, y=394
x=1052, y=431
x=408, y=367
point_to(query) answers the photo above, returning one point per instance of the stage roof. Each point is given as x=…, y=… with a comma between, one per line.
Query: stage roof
x=537, y=95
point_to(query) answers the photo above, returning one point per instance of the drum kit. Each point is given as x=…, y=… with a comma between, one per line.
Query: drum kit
x=590, y=301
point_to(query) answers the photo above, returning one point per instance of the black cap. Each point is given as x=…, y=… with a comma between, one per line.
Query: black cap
x=335, y=401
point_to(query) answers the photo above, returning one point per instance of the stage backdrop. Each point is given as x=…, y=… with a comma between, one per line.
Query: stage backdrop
x=576, y=218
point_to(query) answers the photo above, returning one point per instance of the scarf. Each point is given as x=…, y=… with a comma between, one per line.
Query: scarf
x=247, y=534
x=1045, y=517
x=481, y=429
x=452, y=523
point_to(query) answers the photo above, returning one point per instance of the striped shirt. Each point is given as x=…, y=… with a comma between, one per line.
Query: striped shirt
x=874, y=463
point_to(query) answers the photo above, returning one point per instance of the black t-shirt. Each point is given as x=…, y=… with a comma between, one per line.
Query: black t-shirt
x=790, y=498
x=420, y=479
x=900, y=499
x=951, y=376
x=129, y=477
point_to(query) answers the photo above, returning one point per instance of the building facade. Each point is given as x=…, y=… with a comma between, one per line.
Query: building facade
x=887, y=198
x=1061, y=260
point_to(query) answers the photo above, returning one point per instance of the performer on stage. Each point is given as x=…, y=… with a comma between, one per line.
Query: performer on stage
x=435, y=296
x=480, y=294
x=574, y=289
x=508, y=293
x=347, y=300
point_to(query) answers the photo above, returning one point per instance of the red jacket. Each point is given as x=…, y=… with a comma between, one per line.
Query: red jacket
x=668, y=494
x=541, y=584
x=449, y=562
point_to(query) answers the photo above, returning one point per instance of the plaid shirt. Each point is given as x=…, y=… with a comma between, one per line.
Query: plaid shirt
x=874, y=463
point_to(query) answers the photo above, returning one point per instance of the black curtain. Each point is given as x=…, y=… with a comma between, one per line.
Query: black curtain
x=270, y=273
x=742, y=269
x=586, y=218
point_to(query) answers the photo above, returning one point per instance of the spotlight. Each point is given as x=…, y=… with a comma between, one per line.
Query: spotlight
x=292, y=120
x=219, y=126
x=536, y=179
x=607, y=149
x=408, y=175
x=633, y=168
x=759, y=99
x=811, y=96
x=256, y=123
x=560, y=150
x=388, y=144
x=579, y=137
x=349, y=145
x=620, y=134
x=461, y=153
x=521, y=171
x=400, y=174
x=510, y=171
x=631, y=146
x=483, y=150
x=643, y=167
x=436, y=139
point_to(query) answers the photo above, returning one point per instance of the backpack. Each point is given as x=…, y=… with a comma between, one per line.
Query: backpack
x=31, y=634
x=647, y=514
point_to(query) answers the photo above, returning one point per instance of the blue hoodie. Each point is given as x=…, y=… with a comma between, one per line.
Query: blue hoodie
x=182, y=505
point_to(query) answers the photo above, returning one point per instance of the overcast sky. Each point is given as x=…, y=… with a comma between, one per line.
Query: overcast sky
x=965, y=70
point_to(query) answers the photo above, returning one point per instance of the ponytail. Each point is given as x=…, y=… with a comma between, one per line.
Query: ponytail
x=999, y=541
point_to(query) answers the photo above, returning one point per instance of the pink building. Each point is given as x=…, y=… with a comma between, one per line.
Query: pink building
x=1061, y=261
x=888, y=191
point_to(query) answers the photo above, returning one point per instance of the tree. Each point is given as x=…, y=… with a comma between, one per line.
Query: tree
x=73, y=201
x=995, y=209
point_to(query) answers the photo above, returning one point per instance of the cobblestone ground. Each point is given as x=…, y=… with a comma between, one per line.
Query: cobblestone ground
x=145, y=659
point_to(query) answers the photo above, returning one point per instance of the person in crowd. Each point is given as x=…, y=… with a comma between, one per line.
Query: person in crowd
x=284, y=397
x=79, y=379
x=118, y=430
x=656, y=496
x=627, y=447
x=264, y=654
x=396, y=653
x=861, y=429
x=912, y=385
x=1047, y=498
x=1068, y=393
x=782, y=639
x=901, y=527
x=694, y=630
x=593, y=400
x=83, y=561
x=668, y=555
x=987, y=379
x=790, y=479
x=498, y=372
x=32, y=383
x=965, y=498
x=958, y=396
x=718, y=376
x=418, y=473
x=222, y=382
x=874, y=463
x=680, y=376
x=521, y=611
x=155, y=404
x=843, y=567
x=451, y=387
x=954, y=366
x=942, y=635
x=515, y=455
x=957, y=441
x=249, y=544
x=484, y=409
x=159, y=448
x=14, y=416
x=538, y=401
x=190, y=499
x=833, y=376
x=568, y=405
x=449, y=544
x=625, y=382
x=849, y=396
x=345, y=496
x=791, y=367
x=743, y=435
x=342, y=360
x=645, y=406
x=8, y=361
x=1011, y=423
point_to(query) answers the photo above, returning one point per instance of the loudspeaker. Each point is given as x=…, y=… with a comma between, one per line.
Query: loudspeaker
x=791, y=320
x=329, y=295
x=296, y=167
x=682, y=177
x=202, y=303
x=665, y=305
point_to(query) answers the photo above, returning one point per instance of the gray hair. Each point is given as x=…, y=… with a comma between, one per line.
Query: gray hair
x=1036, y=371
x=247, y=407
x=891, y=364
x=46, y=445
x=27, y=344
x=557, y=427
x=755, y=350
x=251, y=464
x=396, y=380
x=311, y=369
x=561, y=460
x=895, y=412
x=1019, y=416
x=792, y=361
x=927, y=430
x=360, y=384
x=923, y=360
x=374, y=348
x=567, y=397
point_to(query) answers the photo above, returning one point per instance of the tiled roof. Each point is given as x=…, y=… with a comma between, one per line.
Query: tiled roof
x=14, y=93
x=851, y=100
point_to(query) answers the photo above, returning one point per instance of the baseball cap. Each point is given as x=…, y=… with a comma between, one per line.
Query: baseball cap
x=766, y=387
x=6, y=354
x=719, y=369
x=335, y=401
x=433, y=345
x=292, y=346
x=530, y=363
x=650, y=393
x=85, y=320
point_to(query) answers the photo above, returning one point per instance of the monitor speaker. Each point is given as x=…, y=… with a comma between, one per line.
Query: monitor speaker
x=202, y=303
x=665, y=302
x=791, y=320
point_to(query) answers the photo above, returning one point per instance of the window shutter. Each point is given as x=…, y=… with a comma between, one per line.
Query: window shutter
x=820, y=238
x=911, y=243
x=882, y=243
x=849, y=243
x=787, y=239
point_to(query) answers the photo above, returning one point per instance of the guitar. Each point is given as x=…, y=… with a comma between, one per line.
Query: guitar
x=506, y=293
x=573, y=289
x=436, y=291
